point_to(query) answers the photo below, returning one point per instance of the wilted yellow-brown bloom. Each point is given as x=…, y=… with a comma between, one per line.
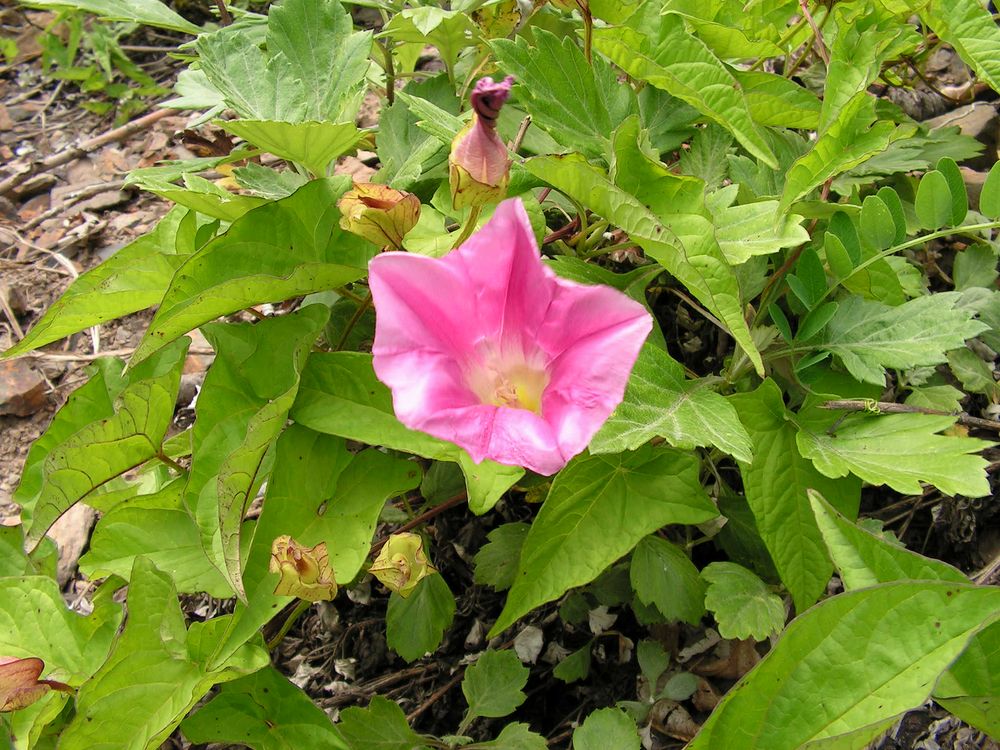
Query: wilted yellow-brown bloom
x=305, y=571
x=402, y=564
x=19, y=683
x=378, y=213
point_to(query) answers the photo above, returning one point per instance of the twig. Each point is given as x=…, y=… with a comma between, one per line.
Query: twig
x=987, y=574
x=820, y=47
x=425, y=516
x=225, y=18
x=889, y=407
x=12, y=319
x=435, y=696
x=84, y=147
x=705, y=313
x=56, y=357
x=75, y=197
x=519, y=138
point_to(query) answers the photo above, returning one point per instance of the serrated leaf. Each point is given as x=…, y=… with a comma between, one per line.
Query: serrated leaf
x=312, y=144
x=575, y=666
x=312, y=67
x=989, y=198
x=851, y=138
x=280, y=250
x=607, y=728
x=154, y=674
x=263, y=711
x=777, y=101
x=869, y=336
x=340, y=395
x=515, y=736
x=448, y=30
x=160, y=527
x=496, y=561
x=415, y=625
x=743, y=605
x=203, y=196
x=577, y=103
x=707, y=155
x=748, y=230
x=493, y=685
x=108, y=447
x=975, y=375
x=268, y=183
x=662, y=575
x=711, y=89
x=145, y=12
x=933, y=202
x=132, y=279
x=381, y=726
x=902, y=451
x=241, y=410
x=598, y=508
x=775, y=485
x=660, y=401
x=970, y=29
x=785, y=702
x=976, y=266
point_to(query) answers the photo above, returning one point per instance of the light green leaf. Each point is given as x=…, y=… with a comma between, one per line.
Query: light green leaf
x=493, y=686
x=108, y=447
x=749, y=230
x=160, y=527
x=970, y=689
x=863, y=559
x=660, y=401
x=989, y=199
x=340, y=395
x=933, y=203
x=268, y=183
x=496, y=561
x=775, y=485
x=777, y=101
x=787, y=700
x=976, y=266
x=956, y=188
x=448, y=30
x=878, y=230
x=312, y=144
x=34, y=621
x=682, y=65
x=145, y=12
x=975, y=375
x=662, y=575
x=940, y=397
x=154, y=674
x=283, y=249
x=743, y=605
x=415, y=625
x=869, y=336
x=132, y=279
x=515, y=736
x=597, y=510
x=850, y=140
x=381, y=726
x=970, y=29
x=577, y=103
x=203, y=196
x=265, y=712
x=313, y=67
x=606, y=728
x=901, y=451
x=241, y=410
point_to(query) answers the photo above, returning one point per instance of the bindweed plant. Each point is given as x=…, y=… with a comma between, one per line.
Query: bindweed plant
x=655, y=265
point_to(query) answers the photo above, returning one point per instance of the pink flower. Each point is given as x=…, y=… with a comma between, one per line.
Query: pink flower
x=479, y=166
x=488, y=349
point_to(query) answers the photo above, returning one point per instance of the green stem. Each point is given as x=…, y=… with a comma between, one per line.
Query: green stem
x=164, y=458
x=470, y=225
x=588, y=30
x=362, y=308
x=301, y=607
x=390, y=73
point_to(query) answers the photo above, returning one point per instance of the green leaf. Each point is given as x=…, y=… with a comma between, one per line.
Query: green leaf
x=448, y=30
x=684, y=244
x=901, y=451
x=956, y=188
x=576, y=666
x=789, y=699
x=850, y=140
x=160, y=527
x=743, y=605
x=892, y=201
x=340, y=395
x=707, y=84
x=405, y=151
x=933, y=203
x=970, y=689
x=577, y=103
x=34, y=621
x=381, y=726
x=707, y=155
x=496, y=561
x=989, y=199
x=313, y=67
x=775, y=485
x=862, y=559
x=878, y=230
x=777, y=101
x=203, y=196
x=108, y=447
x=749, y=230
x=869, y=336
x=809, y=281
x=597, y=510
x=145, y=12
x=154, y=674
x=660, y=402
x=493, y=686
x=976, y=266
x=415, y=625
x=662, y=575
x=972, y=371
x=970, y=29
x=607, y=728
x=280, y=250
x=132, y=279
x=515, y=736
x=263, y=711
x=312, y=144
x=268, y=183
x=241, y=410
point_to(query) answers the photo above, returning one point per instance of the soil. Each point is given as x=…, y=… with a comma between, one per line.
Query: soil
x=337, y=652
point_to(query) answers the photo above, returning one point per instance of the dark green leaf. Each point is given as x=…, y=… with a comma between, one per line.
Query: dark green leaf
x=664, y=576
x=493, y=685
x=607, y=728
x=496, y=561
x=381, y=726
x=415, y=625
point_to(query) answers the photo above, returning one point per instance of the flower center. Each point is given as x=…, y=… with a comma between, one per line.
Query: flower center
x=514, y=384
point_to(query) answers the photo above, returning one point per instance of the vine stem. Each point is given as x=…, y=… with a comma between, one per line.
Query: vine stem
x=425, y=516
x=362, y=308
x=588, y=30
x=301, y=607
x=164, y=458
x=890, y=407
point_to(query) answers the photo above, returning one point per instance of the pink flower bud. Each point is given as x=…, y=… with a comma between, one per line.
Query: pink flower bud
x=479, y=165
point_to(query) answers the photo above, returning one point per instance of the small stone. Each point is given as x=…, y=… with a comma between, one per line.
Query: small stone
x=979, y=120
x=23, y=390
x=71, y=533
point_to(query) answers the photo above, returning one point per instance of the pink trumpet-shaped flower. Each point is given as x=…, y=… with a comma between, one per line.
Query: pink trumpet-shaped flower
x=488, y=349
